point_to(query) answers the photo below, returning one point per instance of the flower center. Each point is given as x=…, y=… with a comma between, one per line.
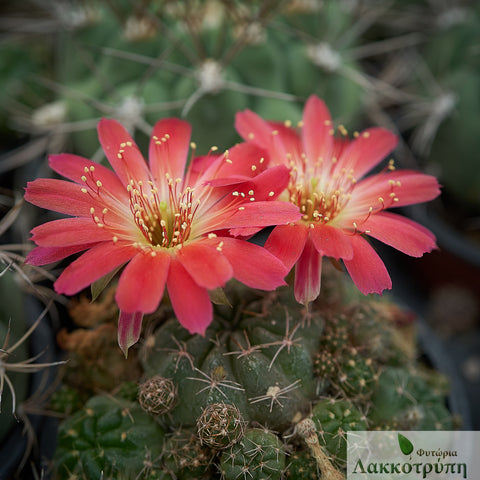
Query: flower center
x=163, y=223
x=320, y=201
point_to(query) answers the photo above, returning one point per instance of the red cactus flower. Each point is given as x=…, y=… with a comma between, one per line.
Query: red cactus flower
x=166, y=224
x=339, y=205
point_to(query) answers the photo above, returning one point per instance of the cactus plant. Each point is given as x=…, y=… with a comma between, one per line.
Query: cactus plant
x=231, y=404
x=272, y=386
x=232, y=366
x=259, y=455
x=109, y=436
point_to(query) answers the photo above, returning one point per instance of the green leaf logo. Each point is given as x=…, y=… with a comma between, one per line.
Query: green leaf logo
x=406, y=446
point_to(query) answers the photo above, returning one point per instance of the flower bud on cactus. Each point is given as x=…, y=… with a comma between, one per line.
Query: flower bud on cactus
x=157, y=395
x=220, y=425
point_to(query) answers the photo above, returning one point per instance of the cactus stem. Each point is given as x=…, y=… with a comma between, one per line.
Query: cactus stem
x=306, y=429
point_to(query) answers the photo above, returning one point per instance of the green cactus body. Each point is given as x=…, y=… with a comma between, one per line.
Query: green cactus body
x=264, y=366
x=339, y=365
x=259, y=456
x=109, y=437
x=184, y=456
x=302, y=466
x=260, y=363
x=450, y=57
x=333, y=418
x=403, y=400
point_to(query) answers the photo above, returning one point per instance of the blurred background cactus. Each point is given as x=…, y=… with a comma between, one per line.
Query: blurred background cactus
x=411, y=66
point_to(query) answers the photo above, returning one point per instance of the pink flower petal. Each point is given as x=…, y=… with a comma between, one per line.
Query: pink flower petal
x=331, y=241
x=367, y=150
x=60, y=196
x=401, y=233
x=253, y=265
x=92, y=265
x=408, y=186
x=286, y=242
x=238, y=164
x=308, y=274
x=142, y=282
x=290, y=146
x=262, y=214
x=46, y=255
x=190, y=302
x=69, y=231
x=122, y=152
x=268, y=185
x=129, y=329
x=317, y=130
x=73, y=168
x=206, y=265
x=254, y=129
x=366, y=268
x=169, y=145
